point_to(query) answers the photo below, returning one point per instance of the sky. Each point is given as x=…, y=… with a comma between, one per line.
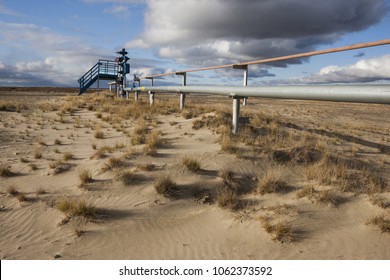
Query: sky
x=53, y=43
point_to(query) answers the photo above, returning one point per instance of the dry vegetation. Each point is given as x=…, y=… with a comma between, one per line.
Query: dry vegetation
x=74, y=208
x=165, y=185
x=191, y=164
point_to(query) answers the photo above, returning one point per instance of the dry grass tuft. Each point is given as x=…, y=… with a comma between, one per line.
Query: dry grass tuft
x=328, y=197
x=145, y=166
x=333, y=172
x=74, y=208
x=11, y=190
x=281, y=231
x=129, y=178
x=38, y=152
x=77, y=231
x=198, y=124
x=227, y=143
x=165, y=185
x=137, y=140
x=273, y=182
x=113, y=163
x=191, y=164
x=381, y=222
x=379, y=201
x=99, y=134
x=55, y=164
x=227, y=198
x=5, y=171
x=68, y=156
x=141, y=128
x=307, y=191
x=153, y=142
x=21, y=197
x=40, y=191
x=228, y=179
x=85, y=176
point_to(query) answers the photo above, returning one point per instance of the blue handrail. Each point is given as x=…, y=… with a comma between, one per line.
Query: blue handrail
x=105, y=69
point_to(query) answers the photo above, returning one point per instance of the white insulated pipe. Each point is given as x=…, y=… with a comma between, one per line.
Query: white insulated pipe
x=379, y=94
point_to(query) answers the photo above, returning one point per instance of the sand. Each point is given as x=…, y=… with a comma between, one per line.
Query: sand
x=135, y=222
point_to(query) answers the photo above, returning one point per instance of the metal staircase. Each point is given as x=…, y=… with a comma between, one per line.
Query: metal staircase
x=103, y=70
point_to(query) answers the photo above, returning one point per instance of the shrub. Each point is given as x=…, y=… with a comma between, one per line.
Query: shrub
x=381, y=222
x=273, y=182
x=227, y=143
x=328, y=197
x=11, y=190
x=165, y=185
x=99, y=134
x=5, y=171
x=191, y=164
x=85, y=176
x=114, y=163
x=228, y=179
x=37, y=152
x=40, y=191
x=282, y=231
x=141, y=128
x=227, y=198
x=68, y=156
x=145, y=166
x=307, y=191
x=76, y=208
x=128, y=178
x=152, y=143
x=137, y=140
x=21, y=197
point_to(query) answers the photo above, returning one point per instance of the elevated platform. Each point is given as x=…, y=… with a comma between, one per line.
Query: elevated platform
x=103, y=70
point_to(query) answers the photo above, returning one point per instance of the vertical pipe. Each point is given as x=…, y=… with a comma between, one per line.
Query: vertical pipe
x=151, y=98
x=183, y=95
x=245, y=102
x=246, y=76
x=182, y=100
x=110, y=87
x=136, y=95
x=236, y=115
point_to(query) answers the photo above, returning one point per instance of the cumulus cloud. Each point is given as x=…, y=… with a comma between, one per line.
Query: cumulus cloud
x=365, y=70
x=211, y=32
x=145, y=67
x=6, y=11
x=59, y=59
x=120, y=11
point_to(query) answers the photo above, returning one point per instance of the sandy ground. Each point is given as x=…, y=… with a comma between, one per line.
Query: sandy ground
x=135, y=222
